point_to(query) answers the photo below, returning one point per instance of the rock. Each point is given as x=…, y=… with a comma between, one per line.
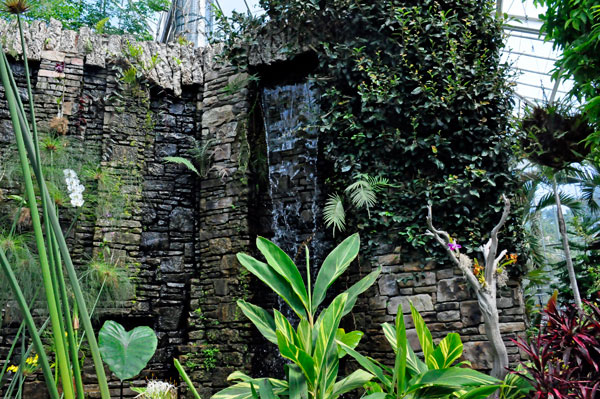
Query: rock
x=421, y=302
x=172, y=264
x=388, y=285
x=181, y=220
x=453, y=289
x=479, y=354
x=153, y=241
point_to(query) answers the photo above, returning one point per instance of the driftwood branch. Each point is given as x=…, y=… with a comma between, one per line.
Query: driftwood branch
x=486, y=289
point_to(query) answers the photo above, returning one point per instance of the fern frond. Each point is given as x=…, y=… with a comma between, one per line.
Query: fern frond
x=184, y=162
x=362, y=194
x=334, y=213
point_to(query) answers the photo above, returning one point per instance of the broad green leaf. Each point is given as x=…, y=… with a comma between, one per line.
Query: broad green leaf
x=305, y=335
x=369, y=365
x=334, y=265
x=376, y=395
x=297, y=383
x=298, y=356
x=423, y=334
x=351, y=339
x=330, y=372
x=243, y=390
x=358, y=288
x=284, y=327
x=265, y=390
x=448, y=350
x=355, y=380
x=455, y=376
x=330, y=322
x=480, y=392
x=413, y=363
x=401, y=353
x=260, y=318
x=284, y=266
x=277, y=283
x=126, y=352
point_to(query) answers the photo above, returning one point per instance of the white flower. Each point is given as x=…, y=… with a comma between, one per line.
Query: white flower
x=74, y=187
x=158, y=390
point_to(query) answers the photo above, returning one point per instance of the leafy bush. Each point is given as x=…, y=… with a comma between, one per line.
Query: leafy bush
x=564, y=357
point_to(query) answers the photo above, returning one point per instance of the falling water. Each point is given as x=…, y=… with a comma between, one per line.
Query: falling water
x=290, y=114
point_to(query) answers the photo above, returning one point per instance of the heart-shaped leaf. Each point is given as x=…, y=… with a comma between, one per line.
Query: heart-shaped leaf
x=126, y=352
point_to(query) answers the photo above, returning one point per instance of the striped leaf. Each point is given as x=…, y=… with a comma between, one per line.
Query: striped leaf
x=334, y=265
x=277, y=283
x=285, y=328
x=302, y=359
x=260, y=318
x=330, y=321
x=265, y=390
x=284, y=266
x=401, y=353
x=447, y=352
x=358, y=288
x=355, y=380
x=351, y=339
x=413, y=363
x=368, y=365
x=243, y=390
x=297, y=382
x=423, y=334
x=305, y=335
x=452, y=377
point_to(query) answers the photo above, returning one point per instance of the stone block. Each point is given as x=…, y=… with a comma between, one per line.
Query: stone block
x=154, y=241
x=172, y=264
x=181, y=220
x=470, y=313
x=388, y=285
x=452, y=289
x=218, y=116
x=449, y=315
x=479, y=354
x=421, y=302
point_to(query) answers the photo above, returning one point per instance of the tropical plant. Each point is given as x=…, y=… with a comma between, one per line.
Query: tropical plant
x=563, y=356
x=515, y=386
x=311, y=346
x=126, y=352
x=156, y=390
x=435, y=377
x=52, y=250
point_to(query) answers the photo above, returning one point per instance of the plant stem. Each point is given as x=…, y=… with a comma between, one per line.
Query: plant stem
x=39, y=237
x=37, y=342
x=565, y=241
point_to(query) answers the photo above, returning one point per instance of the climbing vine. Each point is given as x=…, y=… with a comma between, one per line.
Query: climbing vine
x=415, y=93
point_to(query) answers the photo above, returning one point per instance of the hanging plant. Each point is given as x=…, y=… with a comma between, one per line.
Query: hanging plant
x=553, y=136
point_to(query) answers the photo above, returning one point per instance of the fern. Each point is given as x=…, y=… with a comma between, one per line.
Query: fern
x=362, y=191
x=202, y=155
x=334, y=213
x=183, y=161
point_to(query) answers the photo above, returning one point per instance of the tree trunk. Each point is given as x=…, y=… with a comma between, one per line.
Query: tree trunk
x=488, y=308
x=565, y=240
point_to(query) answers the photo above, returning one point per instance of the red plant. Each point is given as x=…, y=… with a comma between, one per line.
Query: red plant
x=564, y=358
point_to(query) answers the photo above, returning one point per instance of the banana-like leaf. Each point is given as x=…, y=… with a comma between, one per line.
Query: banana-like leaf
x=284, y=266
x=265, y=390
x=413, y=363
x=334, y=265
x=480, y=393
x=355, y=380
x=126, y=352
x=284, y=327
x=330, y=322
x=305, y=335
x=423, y=334
x=358, y=288
x=260, y=318
x=297, y=382
x=452, y=377
x=302, y=359
x=448, y=350
x=368, y=365
x=401, y=353
x=351, y=339
x=277, y=283
x=243, y=390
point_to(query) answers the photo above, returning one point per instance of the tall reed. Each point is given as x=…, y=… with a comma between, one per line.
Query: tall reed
x=54, y=257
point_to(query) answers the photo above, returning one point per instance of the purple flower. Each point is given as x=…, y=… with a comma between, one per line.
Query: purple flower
x=59, y=67
x=453, y=246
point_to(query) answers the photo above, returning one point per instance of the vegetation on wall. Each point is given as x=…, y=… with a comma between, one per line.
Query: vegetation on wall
x=415, y=94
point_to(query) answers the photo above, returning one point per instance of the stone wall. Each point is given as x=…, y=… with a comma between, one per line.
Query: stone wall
x=179, y=232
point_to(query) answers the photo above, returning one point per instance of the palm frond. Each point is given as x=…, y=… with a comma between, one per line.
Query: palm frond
x=334, y=213
x=566, y=200
x=362, y=194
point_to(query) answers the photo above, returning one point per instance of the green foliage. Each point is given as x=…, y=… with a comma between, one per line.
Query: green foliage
x=334, y=213
x=415, y=93
x=436, y=377
x=106, y=16
x=183, y=161
x=574, y=27
x=186, y=379
x=311, y=345
x=126, y=352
